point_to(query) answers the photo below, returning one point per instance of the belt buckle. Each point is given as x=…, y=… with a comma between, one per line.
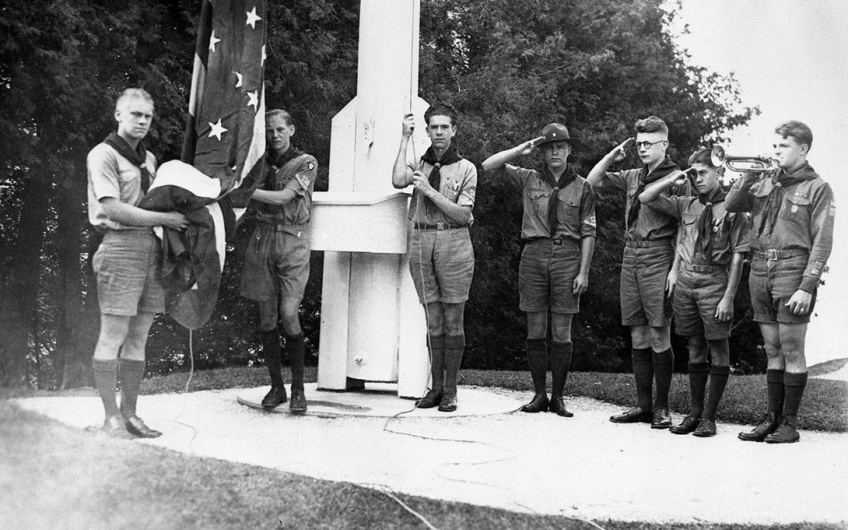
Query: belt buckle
x=772, y=254
x=441, y=226
x=558, y=241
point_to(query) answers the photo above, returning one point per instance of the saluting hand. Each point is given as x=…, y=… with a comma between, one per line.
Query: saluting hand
x=527, y=147
x=620, y=151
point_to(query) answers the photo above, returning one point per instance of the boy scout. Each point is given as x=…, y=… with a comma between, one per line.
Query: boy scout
x=645, y=270
x=558, y=228
x=712, y=244
x=128, y=261
x=276, y=264
x=441, y=258
x=792, y=236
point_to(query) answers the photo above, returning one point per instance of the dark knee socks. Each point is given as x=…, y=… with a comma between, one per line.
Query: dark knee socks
x=437, y=362
x=296, y=350
x=132, y=372
x=794, y=384
x=663, y=370
x=537, y=360
x=643, y=373
x=718, y=380
x=560, y=363
x=774, y=380
x=106, y=379
x=272, y=352
x=454, y=348
x=698, y=375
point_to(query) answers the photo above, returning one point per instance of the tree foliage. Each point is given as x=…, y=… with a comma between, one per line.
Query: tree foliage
x=509, y=66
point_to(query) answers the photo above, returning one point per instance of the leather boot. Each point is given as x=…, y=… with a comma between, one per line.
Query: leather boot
x=786, y=432
x=537, y=359
x=275, y=397
x=768, y=424
x=560, y=363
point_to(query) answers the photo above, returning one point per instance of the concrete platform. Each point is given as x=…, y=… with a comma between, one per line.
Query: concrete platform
x=381, y=400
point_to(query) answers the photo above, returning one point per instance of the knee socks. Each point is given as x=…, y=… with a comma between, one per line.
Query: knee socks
x=296, y=350
x=793, y=390
x=537, y=360
x=698, y=375
x=643, y=373
x=132, y=372
x=663, y=370
x=560, y=363
x=437, y=362
x=774, y=380
x=106, y=379
x=271, y=352
x=718, y=380
x=454, y=348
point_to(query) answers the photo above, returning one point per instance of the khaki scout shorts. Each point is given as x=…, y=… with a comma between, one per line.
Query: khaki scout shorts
x=442, y=264
x=696, y=298
x=128, y=268
x=275, y=262
x=772, y=283
x=644, y=272
x=546, y=276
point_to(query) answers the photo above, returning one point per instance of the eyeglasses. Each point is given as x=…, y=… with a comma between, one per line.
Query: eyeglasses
x=647, y=145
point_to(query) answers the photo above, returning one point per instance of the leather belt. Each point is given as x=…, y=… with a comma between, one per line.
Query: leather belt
x=438, y=226
x=648, y=244
x=702, y=268
x=775, y=254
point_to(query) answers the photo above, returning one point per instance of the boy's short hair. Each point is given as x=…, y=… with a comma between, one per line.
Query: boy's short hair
x=279, y=113
x=702, y=156
x=133, y=93
x=651, y=124
x=800, y=131
x=442, y=109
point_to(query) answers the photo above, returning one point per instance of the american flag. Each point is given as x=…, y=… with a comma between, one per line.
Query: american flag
x=225, y=144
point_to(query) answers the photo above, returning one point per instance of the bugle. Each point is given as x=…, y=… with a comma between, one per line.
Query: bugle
x=741, y=164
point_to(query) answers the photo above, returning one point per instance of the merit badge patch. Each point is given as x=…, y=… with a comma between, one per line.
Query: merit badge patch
x=817, y=268
x=832, y=210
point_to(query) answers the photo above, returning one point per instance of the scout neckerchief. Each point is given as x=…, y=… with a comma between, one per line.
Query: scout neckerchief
x=278, y=161
x=137, y=157
x=704, y=242
x=565, y=179
x=665, y=167
x=451, y=156
x=775, y=196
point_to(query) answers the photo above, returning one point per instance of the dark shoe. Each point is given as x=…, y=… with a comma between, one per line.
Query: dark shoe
x=539, y=403
x=705, y=429
x=688, y=425
x=785, y=433
x=448, y=403
x=557, y=405
x=432, y=399
x=767, y=425
x=115, y=426
x=661, y=419
x=136, y=427
x=634, y=415
x=275, y=397
x=297, y=405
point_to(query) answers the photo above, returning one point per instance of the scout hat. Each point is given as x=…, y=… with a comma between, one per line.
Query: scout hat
x=556, y=132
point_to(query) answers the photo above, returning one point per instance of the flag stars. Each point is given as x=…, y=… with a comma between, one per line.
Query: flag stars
x=239, y=79
x=213, y=40
x=253, y=100
x=217, y=130
x=252, y=19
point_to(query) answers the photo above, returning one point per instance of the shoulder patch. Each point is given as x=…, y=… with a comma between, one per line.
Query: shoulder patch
x=832, y=210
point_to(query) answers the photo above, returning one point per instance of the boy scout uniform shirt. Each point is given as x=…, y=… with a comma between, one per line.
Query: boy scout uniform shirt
x=112, y=175
x=576, y=209
x=804, y=220
x=298, y=174
x=651, y=225
x=458, y=184
x=729, y=232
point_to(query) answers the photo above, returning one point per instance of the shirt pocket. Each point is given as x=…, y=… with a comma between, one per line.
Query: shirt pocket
x=796, y=209
x=450, y=189
x=568, y=210
x=539, y=200
x=689, y=226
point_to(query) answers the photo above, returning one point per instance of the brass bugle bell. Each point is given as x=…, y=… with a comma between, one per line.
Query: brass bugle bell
x=741, y=164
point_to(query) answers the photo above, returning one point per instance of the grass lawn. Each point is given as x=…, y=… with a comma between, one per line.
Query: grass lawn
x=54, y=476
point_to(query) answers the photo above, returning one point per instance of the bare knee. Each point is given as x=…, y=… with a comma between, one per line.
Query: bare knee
x=454, y=318
x=720, y=352
x=537, y=324
x=697, y=349
x=640, y=337
x=113, y=332
x=660, y=338
x=561, y=327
